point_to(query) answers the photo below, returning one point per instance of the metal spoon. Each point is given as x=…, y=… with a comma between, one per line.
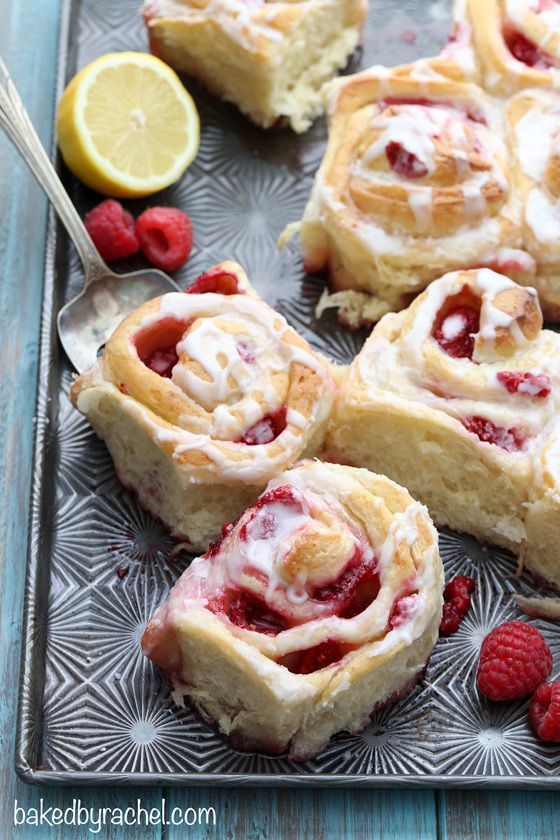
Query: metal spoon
x=87, y=321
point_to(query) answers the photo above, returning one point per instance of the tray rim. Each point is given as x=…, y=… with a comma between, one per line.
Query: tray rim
x=31, y=639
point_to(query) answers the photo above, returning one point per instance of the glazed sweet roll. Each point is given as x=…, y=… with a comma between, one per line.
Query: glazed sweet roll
x=270, y=58
x=517, y=42
x=458, y=399
x=202, y=398
x=534, y=125
x=415, y=182
x=319, y=605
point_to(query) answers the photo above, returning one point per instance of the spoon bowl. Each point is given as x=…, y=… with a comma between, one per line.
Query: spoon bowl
x=86, y=322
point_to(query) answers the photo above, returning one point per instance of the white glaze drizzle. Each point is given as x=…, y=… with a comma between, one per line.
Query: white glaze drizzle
x=206, y=578
x=244, y=20
x=415, y=370
x=543, y=217
x=234, y=409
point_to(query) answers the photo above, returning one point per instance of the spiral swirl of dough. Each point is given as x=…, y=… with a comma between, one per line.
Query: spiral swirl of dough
x=509, y=374
x=415, y=183
x=243, y=395
x=330, y=554
x=517, y=42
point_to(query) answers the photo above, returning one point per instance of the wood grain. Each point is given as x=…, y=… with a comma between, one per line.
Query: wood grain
x=28, y=43
x=515, y=816
x=321, y=815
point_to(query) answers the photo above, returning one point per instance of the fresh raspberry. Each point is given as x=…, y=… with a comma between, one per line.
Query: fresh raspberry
x=544, y=712
x=111, y=228
x=165, y=236
x=514, y=661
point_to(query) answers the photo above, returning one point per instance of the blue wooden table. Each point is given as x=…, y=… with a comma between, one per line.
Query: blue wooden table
x=28, y=43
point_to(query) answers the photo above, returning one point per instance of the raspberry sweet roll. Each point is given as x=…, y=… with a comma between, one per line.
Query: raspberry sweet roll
x=458, y=399
x=517, y=42
x=319, y=605
x=202, y=398
x=269, y=58
x=415, y=182
x=533, y=119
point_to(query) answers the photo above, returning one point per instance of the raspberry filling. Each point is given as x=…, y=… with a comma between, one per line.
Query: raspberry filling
x=267, y=522
x=246, y=352
x=528, y=384
x=318, y=657
x=162, y=362
x=512, y=439
x=215, y=281
x=455, y=334
x=403, y=162
x=403, y=609
x=156, y=345
x=526, y=51
x=248, y=611
x=354, y=590
x=267, y=429
x=430, y=103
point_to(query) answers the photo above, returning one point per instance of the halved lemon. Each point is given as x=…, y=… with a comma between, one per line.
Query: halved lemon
x=126, y=125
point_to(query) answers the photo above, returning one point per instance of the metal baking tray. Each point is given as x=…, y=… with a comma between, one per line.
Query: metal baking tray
x=91, y=708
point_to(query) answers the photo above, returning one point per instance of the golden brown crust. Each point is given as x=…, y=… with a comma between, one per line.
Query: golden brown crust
x=243, y=397
x=494, y=28
x=415, y=182
x=269, y=59
x=167, y=406
x=474, y=435
x=226, y=665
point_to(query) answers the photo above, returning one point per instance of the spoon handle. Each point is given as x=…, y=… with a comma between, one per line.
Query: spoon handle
x=15, y=121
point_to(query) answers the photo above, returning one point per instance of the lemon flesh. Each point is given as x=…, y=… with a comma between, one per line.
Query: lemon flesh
x=126, y=125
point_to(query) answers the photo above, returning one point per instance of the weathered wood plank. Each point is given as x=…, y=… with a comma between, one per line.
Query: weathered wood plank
x=498, y=815
x=302, y=814
x=28, y=44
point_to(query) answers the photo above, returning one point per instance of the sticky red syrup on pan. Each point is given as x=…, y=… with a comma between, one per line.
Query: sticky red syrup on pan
x=457, y=601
